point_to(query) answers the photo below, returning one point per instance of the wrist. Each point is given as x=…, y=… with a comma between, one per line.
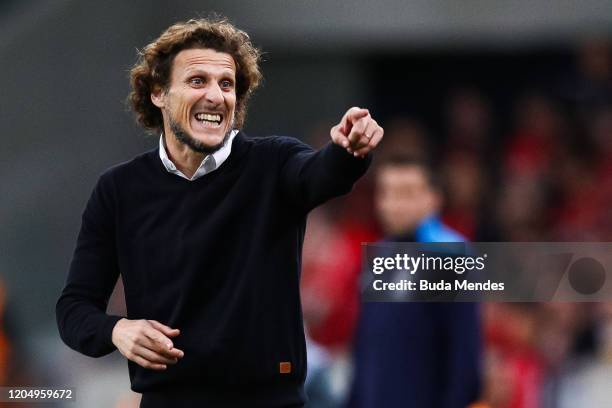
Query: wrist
x=116, y=327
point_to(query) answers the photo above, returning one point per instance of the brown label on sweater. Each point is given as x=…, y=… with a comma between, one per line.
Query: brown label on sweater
x=284, y=367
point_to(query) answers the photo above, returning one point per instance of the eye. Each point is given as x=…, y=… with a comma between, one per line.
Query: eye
x=197, y=81
x=226, y=84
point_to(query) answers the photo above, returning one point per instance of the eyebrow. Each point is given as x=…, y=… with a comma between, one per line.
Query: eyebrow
x=226, y=72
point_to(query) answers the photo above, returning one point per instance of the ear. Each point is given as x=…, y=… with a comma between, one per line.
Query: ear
x=157, y=97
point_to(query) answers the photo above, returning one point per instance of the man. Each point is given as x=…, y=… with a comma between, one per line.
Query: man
x=418, y=355
x=206, y=232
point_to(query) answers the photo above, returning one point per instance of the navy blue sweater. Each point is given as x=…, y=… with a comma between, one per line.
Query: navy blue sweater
x=218, y=258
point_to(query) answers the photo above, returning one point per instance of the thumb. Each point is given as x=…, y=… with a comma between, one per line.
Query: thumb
x=168, y=331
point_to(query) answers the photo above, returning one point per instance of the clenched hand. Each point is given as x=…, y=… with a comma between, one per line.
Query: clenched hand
x=357, y=132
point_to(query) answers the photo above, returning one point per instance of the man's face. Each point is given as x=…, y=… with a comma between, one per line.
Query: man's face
x=198, y=106
x=403, y=198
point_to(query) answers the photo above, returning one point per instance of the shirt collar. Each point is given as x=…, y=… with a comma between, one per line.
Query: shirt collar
x=210, y=162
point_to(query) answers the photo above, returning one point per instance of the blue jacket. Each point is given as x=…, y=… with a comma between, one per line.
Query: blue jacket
x=421, y=355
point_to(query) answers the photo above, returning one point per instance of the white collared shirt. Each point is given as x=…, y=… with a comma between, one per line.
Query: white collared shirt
x=210, y=163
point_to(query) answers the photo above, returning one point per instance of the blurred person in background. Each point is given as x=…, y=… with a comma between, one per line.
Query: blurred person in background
x=534, y=147
x=587, y=85
x=586, y=380
x=206, y=232
x=468, y=123
x=537, y=138
x=514, y=373
x=465, y=186
x=422, y=355
x=469, y=164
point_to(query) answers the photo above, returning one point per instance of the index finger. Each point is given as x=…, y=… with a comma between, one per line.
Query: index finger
x=168, y=331
x=351, y=116
x=356, y=113
x=161, y=344
x=158, y=337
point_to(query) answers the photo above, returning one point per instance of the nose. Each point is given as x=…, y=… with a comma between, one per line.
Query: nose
x=214, y=94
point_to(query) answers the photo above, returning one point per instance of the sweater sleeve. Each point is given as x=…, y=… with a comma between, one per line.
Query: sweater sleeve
x=81, y=308
x=312, y=177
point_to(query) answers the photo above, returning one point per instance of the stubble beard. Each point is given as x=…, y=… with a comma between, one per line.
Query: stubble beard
x=194, y=144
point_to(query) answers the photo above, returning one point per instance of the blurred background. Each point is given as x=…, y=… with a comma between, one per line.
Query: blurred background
x=511, y=101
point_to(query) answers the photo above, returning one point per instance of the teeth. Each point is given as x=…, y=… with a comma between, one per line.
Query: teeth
x=208, y=117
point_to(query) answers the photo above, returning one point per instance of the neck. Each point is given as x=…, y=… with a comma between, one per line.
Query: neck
x=183, y=157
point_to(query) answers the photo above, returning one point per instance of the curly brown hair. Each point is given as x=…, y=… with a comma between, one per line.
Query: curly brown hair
x=154, y=65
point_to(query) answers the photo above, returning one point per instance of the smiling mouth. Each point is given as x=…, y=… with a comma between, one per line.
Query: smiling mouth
x=209, y=119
